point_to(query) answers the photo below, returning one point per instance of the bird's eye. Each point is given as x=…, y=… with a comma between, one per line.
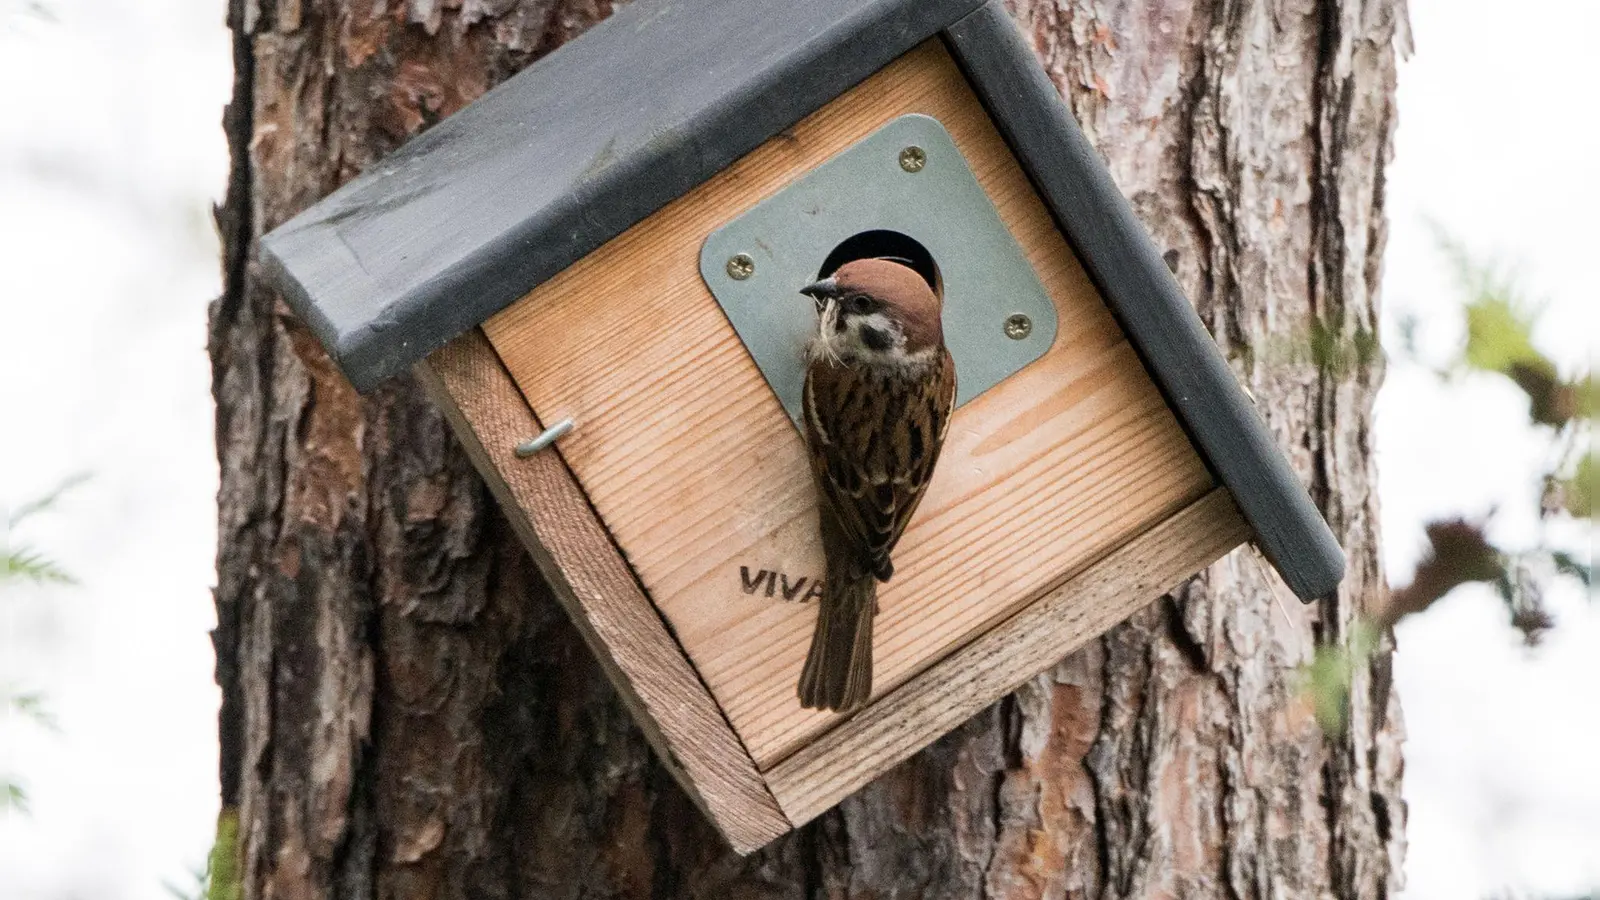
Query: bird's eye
x=861, y=304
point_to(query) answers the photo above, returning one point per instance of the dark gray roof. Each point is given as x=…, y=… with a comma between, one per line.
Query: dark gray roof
x=516, y=187
x=471, y=215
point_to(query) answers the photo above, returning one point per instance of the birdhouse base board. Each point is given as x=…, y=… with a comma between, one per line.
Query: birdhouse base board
x=864, y=746
x=751, y=805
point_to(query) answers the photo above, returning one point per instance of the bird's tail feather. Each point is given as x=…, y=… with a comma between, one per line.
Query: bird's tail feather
x=838, y=670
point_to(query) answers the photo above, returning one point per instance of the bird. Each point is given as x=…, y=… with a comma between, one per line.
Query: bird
x=879, y=390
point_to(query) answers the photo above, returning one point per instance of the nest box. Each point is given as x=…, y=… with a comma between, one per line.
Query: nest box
x=595, y=270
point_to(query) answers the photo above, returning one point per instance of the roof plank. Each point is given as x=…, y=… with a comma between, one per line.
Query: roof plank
x=468, y=217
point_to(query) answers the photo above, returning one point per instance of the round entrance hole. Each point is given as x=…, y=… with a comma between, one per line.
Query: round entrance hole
x=885, y=245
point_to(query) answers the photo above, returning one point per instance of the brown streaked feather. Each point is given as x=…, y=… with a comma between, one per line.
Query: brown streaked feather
x=874, y=438
x=838, y=670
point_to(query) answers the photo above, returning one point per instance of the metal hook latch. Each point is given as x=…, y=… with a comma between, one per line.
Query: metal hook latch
x=544, y=439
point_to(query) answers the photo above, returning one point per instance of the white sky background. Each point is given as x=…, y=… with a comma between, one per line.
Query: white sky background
x=1499, y=143
x=111, y=151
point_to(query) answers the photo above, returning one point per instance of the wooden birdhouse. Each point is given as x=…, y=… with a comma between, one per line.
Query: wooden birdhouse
x=595, y=270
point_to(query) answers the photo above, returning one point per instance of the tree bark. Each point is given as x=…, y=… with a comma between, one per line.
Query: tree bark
x=407, y=713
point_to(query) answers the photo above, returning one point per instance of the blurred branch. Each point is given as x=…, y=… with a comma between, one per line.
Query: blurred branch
x=1458, y=553
x=1500, y=325
x=47, y=502
x=30, y=9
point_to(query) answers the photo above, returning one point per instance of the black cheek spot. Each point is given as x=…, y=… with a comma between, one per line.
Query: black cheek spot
x=875, y=338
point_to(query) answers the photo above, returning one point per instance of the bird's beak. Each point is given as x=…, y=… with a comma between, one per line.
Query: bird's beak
x=820, y=290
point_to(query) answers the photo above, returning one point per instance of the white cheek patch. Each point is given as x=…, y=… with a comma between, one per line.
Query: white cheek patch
x=877, y=320
x=873, y=337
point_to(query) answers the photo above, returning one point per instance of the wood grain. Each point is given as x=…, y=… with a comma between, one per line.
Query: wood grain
x=582, y=565
x=1127, y=266
x=835, y=765
x=695, y=470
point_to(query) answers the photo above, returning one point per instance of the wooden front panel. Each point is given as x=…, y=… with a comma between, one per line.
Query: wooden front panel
x=701, y=478
x=551, y=514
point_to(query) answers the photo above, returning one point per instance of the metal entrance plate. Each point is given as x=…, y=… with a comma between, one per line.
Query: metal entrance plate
x=907, y=178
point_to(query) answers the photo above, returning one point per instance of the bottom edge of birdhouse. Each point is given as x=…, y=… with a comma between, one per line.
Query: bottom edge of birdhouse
x=842, y=760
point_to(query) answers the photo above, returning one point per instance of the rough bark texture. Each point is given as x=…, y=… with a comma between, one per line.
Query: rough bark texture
x=408, y=714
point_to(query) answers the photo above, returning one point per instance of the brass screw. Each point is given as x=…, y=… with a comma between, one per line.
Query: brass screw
x=913, y=158
x=741, y=266
x=1018, y=326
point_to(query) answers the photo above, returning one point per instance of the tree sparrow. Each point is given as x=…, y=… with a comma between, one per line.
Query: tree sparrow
x=879, y=390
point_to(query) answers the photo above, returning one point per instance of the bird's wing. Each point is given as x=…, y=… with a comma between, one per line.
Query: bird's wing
x=873, y=441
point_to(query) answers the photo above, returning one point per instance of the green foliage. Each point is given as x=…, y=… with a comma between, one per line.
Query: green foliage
x=22, y=561
x=12, y=796
x=47, y=502
x=1500, y=334
x=1588, y=396
x=220, y=880
x=222, y=875
x=1340, y=354
x=1336, y=352
x=1330, y=675
x=1577, y=492
x=30, y=706
x=1501, y=320
x=25, y=562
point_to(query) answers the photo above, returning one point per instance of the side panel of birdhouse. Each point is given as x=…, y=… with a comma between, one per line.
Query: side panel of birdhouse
x=552, y=516
x=699, y=476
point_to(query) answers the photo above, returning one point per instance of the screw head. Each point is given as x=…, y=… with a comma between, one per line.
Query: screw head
x=741, y=266
x=913, y=158
x=1018, y=326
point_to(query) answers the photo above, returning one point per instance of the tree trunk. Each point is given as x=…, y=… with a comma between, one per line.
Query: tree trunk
x=407, y=713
